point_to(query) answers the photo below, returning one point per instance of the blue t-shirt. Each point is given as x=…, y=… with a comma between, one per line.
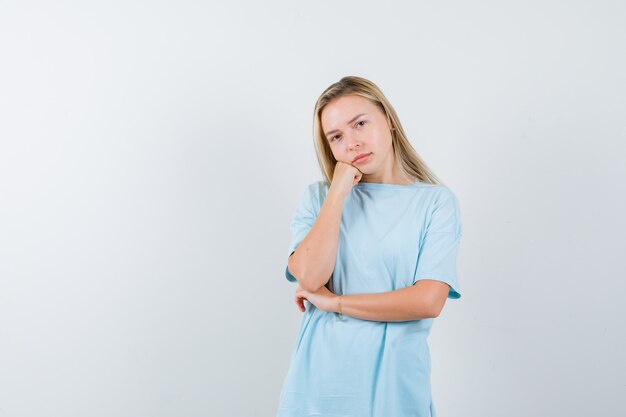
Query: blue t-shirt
x=391, y=236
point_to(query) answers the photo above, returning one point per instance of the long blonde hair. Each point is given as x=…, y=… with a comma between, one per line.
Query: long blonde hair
x=410, y=163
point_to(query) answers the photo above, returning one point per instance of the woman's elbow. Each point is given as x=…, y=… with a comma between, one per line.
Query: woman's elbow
x=307, y=285
x=300, y=274
x=436, y=307
x=435, y=312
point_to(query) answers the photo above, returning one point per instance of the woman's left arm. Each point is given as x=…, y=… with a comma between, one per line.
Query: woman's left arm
x=424, y=299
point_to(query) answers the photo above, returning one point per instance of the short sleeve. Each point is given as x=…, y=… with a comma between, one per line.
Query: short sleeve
x=438, y=252
x=302, y=221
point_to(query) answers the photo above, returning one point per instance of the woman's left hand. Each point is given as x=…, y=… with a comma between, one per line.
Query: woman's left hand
x=323, y=299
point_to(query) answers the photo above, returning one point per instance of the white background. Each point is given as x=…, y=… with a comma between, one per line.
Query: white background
x=152, y=153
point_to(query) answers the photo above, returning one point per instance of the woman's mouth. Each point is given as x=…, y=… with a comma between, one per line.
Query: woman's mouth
x=362, y=158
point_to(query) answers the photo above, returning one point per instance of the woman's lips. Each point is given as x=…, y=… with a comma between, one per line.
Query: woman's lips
x=362, y=159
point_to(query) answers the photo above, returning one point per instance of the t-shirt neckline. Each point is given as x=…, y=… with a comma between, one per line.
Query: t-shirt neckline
x=384, y=185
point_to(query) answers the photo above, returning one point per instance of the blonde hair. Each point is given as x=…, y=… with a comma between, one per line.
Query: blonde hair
x=410, y=163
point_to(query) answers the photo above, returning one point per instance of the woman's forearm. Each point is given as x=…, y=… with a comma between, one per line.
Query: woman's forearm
x=313, y=261
x=419, y=301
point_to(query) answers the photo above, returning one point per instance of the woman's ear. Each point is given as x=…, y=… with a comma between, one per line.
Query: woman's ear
x=390, y=125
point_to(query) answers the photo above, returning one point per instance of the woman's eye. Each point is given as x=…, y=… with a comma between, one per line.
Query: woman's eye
x=362, y=121
x=333, y=138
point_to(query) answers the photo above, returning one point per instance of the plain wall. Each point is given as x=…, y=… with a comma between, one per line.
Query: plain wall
x=152, y=154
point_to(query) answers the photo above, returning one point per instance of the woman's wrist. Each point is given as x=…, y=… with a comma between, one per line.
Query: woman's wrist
x=338, y=307
x=335, y=196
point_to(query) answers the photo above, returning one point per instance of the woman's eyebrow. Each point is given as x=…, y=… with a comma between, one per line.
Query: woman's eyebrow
x=351, y=120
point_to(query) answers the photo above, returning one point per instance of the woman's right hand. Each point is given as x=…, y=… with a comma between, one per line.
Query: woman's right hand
x=345, y=176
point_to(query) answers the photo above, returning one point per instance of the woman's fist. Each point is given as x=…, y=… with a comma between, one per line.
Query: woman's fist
x=345, y=176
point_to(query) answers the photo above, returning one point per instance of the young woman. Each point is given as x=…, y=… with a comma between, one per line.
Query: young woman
x=373, y=251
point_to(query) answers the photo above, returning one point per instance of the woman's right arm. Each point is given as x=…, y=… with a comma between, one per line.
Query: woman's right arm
x=313, y=261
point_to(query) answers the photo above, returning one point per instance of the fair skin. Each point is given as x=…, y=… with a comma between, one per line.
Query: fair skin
x=354, y=126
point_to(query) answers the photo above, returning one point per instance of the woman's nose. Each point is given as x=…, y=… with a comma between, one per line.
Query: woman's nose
x=352, y=142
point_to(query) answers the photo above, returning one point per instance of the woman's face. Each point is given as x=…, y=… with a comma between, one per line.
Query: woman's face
x=354, y=126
